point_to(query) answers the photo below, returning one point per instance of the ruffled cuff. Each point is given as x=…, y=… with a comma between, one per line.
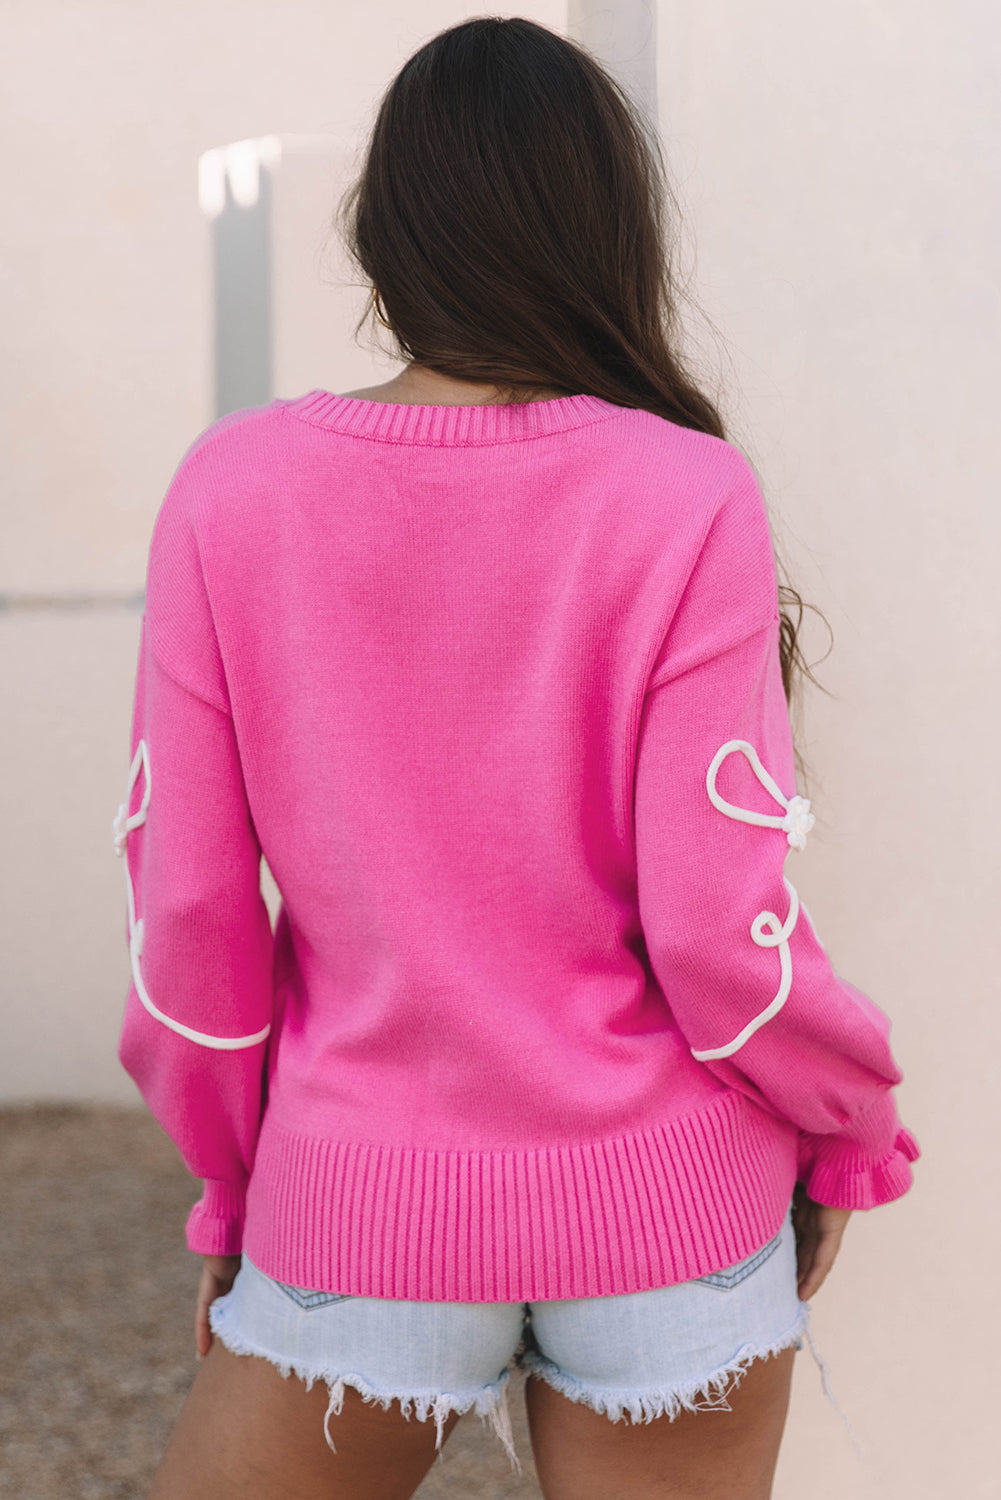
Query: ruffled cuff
x=843, y=1174
x=215, y=1223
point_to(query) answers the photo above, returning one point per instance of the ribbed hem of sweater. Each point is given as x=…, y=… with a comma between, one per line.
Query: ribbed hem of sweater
x=595, y=1219
x=449, y=426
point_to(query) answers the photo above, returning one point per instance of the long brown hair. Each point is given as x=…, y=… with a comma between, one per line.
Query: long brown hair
x=512, y=217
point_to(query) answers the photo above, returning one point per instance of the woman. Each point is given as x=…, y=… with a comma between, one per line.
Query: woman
x=544, y=1061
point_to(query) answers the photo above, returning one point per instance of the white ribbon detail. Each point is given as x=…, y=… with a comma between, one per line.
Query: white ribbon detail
x=798, y=819
x=123, y=826
x=766, y=929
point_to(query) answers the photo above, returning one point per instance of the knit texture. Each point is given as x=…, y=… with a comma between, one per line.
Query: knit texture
x=541, y=1015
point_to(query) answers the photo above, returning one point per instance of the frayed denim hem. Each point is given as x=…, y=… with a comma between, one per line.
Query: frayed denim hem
x=707, y=1394
x=489, y=1402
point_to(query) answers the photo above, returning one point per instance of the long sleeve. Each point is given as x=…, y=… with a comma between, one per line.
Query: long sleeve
x=744, y=973
x=198, y=1010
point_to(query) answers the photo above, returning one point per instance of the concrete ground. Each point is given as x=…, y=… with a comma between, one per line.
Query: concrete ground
x=96, y=1307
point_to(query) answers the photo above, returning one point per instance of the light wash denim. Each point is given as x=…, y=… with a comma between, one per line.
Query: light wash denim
x=637, y=1354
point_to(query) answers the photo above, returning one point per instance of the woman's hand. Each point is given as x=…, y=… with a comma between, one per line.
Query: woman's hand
x=818, y=1230
x=218, y=1275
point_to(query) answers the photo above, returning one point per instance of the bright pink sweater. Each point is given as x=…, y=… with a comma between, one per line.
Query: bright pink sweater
x=496, y=690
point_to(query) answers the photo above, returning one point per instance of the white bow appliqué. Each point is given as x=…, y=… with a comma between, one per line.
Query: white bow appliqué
x=766, y=929
x=798, y=821
x=123, y=826
x=122, y=823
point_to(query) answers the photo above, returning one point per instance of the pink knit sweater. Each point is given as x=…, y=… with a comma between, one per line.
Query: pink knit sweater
x=497, y=693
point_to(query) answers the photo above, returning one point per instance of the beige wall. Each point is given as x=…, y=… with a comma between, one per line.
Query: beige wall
x=837, y=167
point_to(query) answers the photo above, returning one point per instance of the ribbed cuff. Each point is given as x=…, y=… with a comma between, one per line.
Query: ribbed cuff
x=859, y=1171
x=215, y=1223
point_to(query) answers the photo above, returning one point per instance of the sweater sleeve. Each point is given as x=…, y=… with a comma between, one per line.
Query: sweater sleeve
x=744, y=973
x=198, y=1010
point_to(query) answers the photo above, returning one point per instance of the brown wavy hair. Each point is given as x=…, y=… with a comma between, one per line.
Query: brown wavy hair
x=512, y=217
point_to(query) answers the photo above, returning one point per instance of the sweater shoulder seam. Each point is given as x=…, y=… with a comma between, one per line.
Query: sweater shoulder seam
x=178, y=681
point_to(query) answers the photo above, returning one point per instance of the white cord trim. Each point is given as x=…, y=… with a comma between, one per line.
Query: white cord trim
x=123, y=825
x=798, y=819
x=766, y=929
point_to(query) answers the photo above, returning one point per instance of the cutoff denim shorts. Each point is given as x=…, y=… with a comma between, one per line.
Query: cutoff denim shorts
x=637, y=1354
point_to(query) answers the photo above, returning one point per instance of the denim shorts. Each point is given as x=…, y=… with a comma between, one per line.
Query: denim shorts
x=637, y=1354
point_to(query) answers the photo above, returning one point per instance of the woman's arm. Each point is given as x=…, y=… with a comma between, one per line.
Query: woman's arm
x=198, y=1011
x=743, y=971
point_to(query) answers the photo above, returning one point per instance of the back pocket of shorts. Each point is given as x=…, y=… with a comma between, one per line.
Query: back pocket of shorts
x=732, y=1276
x=307, y=1299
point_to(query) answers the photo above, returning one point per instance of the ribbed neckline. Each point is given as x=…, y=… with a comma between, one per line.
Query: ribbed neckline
x=450, y=426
